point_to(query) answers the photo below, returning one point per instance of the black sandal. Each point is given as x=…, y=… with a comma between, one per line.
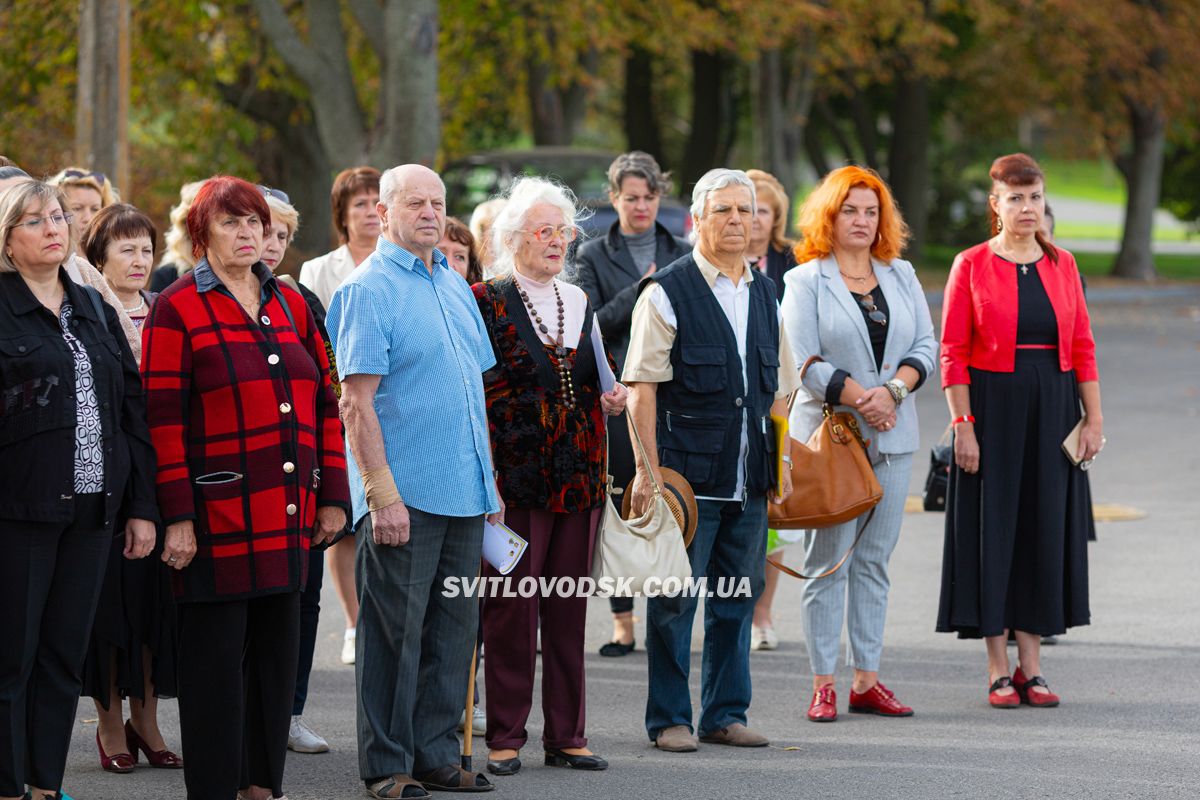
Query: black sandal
x=617, y=649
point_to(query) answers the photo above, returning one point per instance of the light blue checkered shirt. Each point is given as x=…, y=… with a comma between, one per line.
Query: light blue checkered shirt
x=425, y=336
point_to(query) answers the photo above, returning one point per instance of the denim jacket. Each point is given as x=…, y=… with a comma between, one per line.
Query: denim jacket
x=37, y=409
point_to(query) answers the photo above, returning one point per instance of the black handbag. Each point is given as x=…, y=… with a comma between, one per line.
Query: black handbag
x=937, y=482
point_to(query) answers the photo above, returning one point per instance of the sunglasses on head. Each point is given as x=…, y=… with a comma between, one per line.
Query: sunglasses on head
x=278, y=194
x=99, y=177
x=873, y=312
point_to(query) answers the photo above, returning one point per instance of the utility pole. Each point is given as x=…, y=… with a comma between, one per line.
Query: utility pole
x=102, y=93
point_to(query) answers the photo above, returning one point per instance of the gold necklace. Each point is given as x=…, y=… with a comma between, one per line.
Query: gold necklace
x=862, y=279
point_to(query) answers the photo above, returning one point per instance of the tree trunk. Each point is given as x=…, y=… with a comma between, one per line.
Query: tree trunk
x=710, y=118
x=908, y=156
x=102, y=91
x=411, y=122
x=545, y=106
x=1142, y=169
x=642, y=131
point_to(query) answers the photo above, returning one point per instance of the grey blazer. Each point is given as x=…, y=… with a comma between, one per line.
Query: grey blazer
x=822, y=318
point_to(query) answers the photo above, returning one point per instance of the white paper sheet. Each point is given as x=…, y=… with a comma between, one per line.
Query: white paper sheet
x=502, y=548
x=607, y=379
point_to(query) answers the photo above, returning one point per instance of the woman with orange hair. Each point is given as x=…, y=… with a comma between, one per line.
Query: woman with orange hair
x=1018, y=357
x=855, y=305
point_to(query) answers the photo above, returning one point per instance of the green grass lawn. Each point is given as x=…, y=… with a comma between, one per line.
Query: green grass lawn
x=1088, y=230
x=1085, y=180
x=938, y=258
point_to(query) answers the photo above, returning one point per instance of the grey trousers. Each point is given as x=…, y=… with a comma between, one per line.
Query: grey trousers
x=414, y=645
x=863, y=579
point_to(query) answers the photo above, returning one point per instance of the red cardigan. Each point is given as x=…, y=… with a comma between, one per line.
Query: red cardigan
x=245, y=423
x=979, y=316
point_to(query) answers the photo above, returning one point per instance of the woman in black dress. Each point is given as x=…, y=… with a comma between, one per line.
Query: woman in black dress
x=1018, y=358
x=133, y=644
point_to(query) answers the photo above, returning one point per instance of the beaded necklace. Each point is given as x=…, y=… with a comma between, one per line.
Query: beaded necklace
x=567, y=386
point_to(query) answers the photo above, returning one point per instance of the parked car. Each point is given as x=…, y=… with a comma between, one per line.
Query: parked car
x=471, y=180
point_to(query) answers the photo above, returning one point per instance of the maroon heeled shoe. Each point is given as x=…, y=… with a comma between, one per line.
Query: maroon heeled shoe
x=121, y=763
x=160, y=759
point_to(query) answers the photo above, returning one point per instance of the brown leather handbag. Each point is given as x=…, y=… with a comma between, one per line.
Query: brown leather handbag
x=832, y=478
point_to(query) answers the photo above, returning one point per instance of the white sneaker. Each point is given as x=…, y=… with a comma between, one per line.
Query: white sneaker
x=763, y=638
x=348, y=646
x=304, y=739
x=478, y=721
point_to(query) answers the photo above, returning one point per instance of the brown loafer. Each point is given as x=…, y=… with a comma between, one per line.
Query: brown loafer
x=736, y=735
x=676, y=739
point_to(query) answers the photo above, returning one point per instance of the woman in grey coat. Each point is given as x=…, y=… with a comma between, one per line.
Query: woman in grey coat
x=859, y=308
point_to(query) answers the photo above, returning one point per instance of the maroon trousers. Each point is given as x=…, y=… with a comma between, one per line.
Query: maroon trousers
x=560, y=546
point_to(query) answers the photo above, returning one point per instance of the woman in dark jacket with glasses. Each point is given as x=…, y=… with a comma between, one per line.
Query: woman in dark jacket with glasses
x=75, y=455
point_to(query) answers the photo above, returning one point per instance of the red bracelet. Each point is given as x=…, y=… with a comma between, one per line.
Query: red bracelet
x=965, y=418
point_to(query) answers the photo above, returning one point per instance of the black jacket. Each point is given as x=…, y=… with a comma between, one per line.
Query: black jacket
x=606, y=273
x=778, y=262
x=37, y=409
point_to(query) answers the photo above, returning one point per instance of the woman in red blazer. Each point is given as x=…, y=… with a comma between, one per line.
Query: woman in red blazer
x=251, y=467
x=1018, y=358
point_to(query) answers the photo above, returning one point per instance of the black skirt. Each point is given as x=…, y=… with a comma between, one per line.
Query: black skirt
x=136, y=610
x=1017, y=531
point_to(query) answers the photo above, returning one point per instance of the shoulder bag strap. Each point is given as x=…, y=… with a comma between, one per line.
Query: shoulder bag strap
x=789, y=571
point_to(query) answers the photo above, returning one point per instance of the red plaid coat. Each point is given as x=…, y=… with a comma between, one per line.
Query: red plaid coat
x=245, y=423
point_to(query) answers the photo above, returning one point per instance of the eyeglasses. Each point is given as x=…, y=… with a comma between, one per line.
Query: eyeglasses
x=547, y=232
x=873, y=312
x=35, y=224
x=98, y=177
x=278, y=194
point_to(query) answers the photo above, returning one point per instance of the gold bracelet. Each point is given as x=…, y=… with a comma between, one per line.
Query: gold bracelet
x=380, y=488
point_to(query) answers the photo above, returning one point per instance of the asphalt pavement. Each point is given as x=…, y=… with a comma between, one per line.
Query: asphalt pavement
x=1128, y=727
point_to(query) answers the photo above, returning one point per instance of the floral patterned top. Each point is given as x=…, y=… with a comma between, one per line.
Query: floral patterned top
x=547, y=455
x=89, y=439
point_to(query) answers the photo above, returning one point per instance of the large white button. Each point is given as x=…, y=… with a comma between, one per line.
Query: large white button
x=285, y=408
x=289, y=467
x=291, y=509
x=272, y=359
x=265, y=320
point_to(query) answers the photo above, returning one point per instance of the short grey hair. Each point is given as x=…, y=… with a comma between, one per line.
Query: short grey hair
x=15, y=202
x=718, y=179
x=393, y=179
x=637, y=164
x=525, y=193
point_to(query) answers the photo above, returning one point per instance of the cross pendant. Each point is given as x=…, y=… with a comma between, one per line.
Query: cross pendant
x=1024, y=269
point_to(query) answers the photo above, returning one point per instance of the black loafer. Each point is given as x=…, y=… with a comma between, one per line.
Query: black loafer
x=504, y=766
x=617, y=649
x=557, y=758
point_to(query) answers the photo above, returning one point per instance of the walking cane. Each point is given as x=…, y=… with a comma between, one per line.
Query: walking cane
x=469, y=711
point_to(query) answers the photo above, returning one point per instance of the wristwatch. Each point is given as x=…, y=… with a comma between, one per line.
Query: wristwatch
x=898, y=389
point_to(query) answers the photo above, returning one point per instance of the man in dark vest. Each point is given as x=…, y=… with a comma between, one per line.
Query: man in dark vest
x=708, y=362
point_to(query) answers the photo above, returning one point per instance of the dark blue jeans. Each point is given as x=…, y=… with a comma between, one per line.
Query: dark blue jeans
x=310, y=613
x=730, y=542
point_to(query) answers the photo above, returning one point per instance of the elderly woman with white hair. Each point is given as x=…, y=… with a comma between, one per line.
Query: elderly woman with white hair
x=546, y=414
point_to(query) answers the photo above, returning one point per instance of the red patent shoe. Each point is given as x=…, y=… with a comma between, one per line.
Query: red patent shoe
x=878, y=700
x=119, y=763
x=162, y=759
x=998, y=700
x=1046, y=699
x=824, y=705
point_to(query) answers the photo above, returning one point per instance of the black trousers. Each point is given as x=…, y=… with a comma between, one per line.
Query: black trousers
x=237, y=675
x=310, y=616
x=50, y=578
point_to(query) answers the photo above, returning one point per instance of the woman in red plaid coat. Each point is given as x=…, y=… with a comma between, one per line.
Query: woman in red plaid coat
x=251, y=471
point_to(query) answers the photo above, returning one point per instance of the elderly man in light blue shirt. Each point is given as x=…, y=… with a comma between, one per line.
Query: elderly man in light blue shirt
x=412, y=348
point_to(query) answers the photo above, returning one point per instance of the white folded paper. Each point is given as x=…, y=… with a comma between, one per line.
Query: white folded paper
x=501, y=547
x=607, y=379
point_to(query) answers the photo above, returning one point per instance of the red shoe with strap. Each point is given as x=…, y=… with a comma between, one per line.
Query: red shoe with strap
x=824, y=705
x=120, y=762
x=161, y=759
x=1023, y=685
x=878, y=700
x=998, y=700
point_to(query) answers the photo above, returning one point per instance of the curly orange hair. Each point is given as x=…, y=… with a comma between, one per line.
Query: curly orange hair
x=822, y=206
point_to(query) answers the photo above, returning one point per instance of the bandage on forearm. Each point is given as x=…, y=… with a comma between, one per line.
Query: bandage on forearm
x=380, y=488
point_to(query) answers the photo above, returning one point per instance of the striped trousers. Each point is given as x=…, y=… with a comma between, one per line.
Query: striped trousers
x=862, y=580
